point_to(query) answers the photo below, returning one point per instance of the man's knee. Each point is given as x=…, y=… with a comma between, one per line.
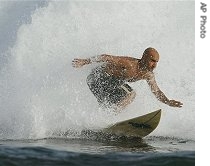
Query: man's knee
x=132, y=94
x=127, y=99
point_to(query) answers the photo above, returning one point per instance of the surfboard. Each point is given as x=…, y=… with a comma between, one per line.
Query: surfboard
x=136, y=127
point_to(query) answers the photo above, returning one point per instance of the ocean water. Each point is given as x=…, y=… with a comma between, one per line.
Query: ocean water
x=151, y=151
x=45, y=103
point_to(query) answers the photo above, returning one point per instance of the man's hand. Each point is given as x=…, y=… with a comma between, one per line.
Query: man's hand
x=174, y=103
x=80, y=62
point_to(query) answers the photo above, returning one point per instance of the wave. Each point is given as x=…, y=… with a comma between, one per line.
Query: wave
x=41, y=93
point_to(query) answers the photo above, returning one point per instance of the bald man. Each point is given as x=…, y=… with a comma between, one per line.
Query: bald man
x=108, y=82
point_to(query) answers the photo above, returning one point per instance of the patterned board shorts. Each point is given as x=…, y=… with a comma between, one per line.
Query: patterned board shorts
x=107, y=89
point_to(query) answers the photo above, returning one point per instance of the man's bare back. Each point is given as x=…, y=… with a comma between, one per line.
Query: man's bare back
x=130, y=69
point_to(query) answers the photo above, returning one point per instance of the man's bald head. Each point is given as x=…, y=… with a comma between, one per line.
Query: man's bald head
x=149, y=53
x=150, y=58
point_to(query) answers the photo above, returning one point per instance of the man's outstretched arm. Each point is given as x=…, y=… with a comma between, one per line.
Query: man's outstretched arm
x=100, y=58
x=160, y=95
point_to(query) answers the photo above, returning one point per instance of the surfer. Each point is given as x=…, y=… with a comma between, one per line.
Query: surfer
x=109, y=81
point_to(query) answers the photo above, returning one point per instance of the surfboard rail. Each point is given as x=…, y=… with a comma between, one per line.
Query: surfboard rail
x=136, y=127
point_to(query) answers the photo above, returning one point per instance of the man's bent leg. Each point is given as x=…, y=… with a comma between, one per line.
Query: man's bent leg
x=127, y=100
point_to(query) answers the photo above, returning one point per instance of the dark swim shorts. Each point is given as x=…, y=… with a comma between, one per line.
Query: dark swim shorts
x=107, y=89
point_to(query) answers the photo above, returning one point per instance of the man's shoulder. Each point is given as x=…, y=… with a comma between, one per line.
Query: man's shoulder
x=129, y=58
